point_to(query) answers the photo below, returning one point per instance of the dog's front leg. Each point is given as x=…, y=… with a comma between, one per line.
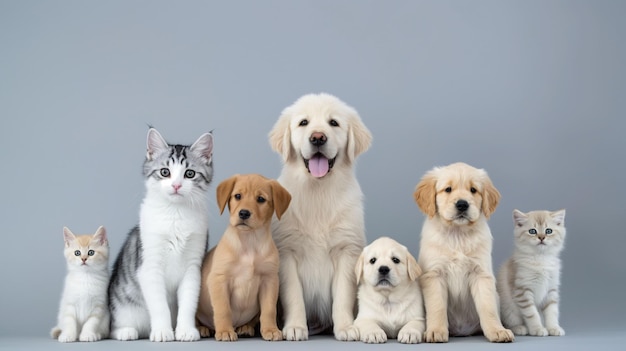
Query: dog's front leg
x=292, y=300
x=268, y=296
x=222, y=312
x=483, y=290
x=435, y=294
x=344, y=295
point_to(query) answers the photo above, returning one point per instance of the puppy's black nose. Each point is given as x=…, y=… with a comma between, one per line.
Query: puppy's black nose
x=462, y=205
x=318, y=139
x=384, y=270
x=244, y=214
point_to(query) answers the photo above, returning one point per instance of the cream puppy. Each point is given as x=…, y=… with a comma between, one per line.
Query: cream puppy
x=390, y=300
x=458, y=283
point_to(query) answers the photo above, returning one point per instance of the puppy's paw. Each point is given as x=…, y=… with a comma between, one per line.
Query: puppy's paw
x=556, y=331
x=295, y=333
x=410, y=336
x=245, y=330
x=271, y=334
x=226, y=335
x=437, y=335
x=205, y=332
x=374, y=336
x=500, y=335
x=187, y=334
x=538, y=331
x=519, y=330
x=68, y=337
x=350, y=333
x=89, y=336
x=162, y=335
x=125, y=334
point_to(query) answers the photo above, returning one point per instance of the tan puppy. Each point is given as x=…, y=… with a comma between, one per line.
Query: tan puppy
x=390, y=300
x=455, y=253
x=240, y=274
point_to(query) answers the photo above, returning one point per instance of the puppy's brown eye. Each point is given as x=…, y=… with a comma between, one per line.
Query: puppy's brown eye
x=448, y=190
x=473, y=190
x=373, y=260
x=260, y=199
x=395, y=260
x=238, y=196
x=334, y=123
x=303, y=122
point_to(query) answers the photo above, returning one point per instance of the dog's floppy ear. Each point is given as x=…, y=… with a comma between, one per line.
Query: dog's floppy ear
x=414, y=269
x=281, y=197
x=491, y=197
x=358, y=268
x=280, y=136
x=425, y=194
x=359, y=137
x=224, y=190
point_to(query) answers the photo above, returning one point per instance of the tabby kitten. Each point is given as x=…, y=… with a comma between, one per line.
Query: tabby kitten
x=528, y=283
x=83, y=312
x=155, y=283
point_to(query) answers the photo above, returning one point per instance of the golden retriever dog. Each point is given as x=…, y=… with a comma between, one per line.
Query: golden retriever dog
x=458, y=283
x=389, y=296
x=240, y=274
x=322, y=234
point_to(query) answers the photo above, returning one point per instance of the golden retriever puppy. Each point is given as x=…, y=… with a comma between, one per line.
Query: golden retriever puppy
x=390, y=299
x=455, y=253
x=321, y=235
x=240, y=274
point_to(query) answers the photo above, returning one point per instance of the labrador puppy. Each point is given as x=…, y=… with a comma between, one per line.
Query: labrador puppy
x=455, y=253
x=321, y=235
x=389, y=296
x=240, y=274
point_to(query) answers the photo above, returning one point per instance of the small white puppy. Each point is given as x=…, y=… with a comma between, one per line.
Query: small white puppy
x=390, y=300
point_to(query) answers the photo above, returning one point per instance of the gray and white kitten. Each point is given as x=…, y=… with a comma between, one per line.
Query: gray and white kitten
x=528, y=282
x=83, y=311
x=155, y=282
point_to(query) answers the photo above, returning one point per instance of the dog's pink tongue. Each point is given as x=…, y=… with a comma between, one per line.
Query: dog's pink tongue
x=318, y=166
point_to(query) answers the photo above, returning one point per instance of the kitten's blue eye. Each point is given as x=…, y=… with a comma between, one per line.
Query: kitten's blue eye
x=165, y=172
x=395, y=260
x=91, y=252
x=190, y=173
x=238, y=196
x=548, y=231
x=333, y=123
x=303, y=122
x=532, y=231
x=77, y=253
x=448, y=190
x=373, y=260
x=260, y=199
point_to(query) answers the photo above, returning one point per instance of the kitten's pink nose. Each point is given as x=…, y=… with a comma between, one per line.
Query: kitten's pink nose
x=176, y=187
x=84, y=259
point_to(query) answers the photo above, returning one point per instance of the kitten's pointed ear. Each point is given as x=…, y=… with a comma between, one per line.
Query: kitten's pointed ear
x=100, y=236
x=156, y=144
x=68, y=236
x=519, y=217
x=358, y=269
x=558, y=216
x=224, y=191
x=204, y=146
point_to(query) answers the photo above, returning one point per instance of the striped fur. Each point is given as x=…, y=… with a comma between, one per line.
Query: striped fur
x=155, y=282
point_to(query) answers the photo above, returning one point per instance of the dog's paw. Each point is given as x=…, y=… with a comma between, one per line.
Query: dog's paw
x=245, y=330
x=410, y=336
x=89, y=336
x=187, y=334
x=556, y=331
x=226, y=335
x=271, y=334
x=162, y=335
x=125, y=334
x=68, y=337
x=375, y=336
x=351, y=333
x=204, y=331
x=500, y=335
x=519, y=330
x=295, y=333
x=538, y=331
x=436, y=335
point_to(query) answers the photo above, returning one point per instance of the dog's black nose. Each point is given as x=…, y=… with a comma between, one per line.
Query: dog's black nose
x=318, y=139
x=384, y=270
x=244, y=214
x=462, y=205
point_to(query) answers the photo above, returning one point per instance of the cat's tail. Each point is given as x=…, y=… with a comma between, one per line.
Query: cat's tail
x=55, y=332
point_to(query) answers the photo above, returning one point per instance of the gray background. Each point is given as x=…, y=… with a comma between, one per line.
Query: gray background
x=531, y=91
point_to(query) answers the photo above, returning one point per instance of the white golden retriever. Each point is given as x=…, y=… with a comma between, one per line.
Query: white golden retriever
x=390, y=300
x=321, y=235
x=455, y=253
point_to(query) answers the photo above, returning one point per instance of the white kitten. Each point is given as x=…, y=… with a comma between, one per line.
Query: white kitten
x=83, y=312
x=528, y=283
